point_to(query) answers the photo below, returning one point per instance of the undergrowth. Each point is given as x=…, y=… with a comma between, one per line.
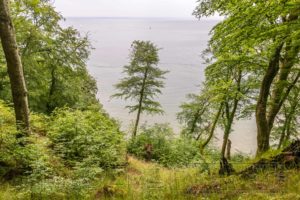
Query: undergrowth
x=41, y=170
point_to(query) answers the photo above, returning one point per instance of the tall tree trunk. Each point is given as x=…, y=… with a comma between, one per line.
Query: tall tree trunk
x=263, y=132
x=265, y=120
x=137, y=121
x=14, y=68
x=281, y=88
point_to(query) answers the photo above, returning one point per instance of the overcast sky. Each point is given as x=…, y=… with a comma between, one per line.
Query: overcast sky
x=126, y=8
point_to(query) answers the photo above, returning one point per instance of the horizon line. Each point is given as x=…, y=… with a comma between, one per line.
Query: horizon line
x=137, y=17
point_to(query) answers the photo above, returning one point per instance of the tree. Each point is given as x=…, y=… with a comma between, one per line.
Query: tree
x=143, y=82
x=194, y=116
x=270, y=31
x=54, y=60
x=200, y=116
x=288, y=119
x=14, y=68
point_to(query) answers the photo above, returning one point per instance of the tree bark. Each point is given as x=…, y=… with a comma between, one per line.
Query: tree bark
x=137, y=121
x=265, y=119
x=279, y=94
x=283, y=133
x=51, y=91
x=228, y=128
x=263, y=132
x=228, y=151
x=14, y=69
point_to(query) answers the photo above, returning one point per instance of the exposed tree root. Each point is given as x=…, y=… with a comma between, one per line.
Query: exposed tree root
x=288, y=159
x=225, y=168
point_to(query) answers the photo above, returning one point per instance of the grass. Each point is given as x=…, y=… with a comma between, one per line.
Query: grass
x=142, y=180
x=150, y=181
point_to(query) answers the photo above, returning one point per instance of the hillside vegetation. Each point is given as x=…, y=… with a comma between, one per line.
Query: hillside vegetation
x=57, y=141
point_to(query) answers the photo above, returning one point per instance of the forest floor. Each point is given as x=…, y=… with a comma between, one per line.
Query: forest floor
x=143, y=180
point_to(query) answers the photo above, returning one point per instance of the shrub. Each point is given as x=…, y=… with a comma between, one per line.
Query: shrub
x=14, y=159
x=86, y=136
x=183, y=152
x=167, y=149
x=158, y=136
x=7, y=139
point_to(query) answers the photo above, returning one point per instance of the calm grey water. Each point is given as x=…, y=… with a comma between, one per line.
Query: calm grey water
x=182, y=42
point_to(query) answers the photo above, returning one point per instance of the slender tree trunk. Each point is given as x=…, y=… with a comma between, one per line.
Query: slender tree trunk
x=137, y=121
x=228, y=125
x=286, y=132
x=263, y=132
x=51, y=91
x=228, y=151
x=225, y=166
x=14, y=68
x=283, y=134
x=196, y=117
x=230, y=114
x=213, y=127
x=226, y=136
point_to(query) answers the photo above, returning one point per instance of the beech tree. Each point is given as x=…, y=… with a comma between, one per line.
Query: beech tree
x=270, y=31
x=143, y=81
x=200, y=116
x=53, y=58
x=195, y=116
x=14, y=68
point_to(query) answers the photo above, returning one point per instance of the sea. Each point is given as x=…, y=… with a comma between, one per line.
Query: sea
x=181, y=43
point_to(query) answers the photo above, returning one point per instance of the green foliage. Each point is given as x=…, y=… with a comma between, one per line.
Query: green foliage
x=86, y=136
x=54, y=59
x=158, y=136
x=14, y=159
x=195, y=116
x=166, y=148
x=7, y=139
x=41, y=171
x=144, y=79
x=286, y=125
x=261, y=39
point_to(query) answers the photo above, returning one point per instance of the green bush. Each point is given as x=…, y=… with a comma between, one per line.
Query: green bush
x=183, y=152
x=158, y=136
x=7, y=139
x=86, y=136
x=14, y=159
x=167, y=149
